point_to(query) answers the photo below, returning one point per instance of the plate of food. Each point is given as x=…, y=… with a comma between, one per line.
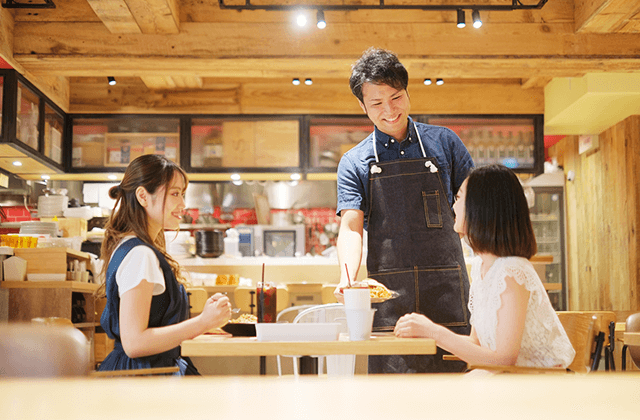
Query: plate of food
x=243, y=326
x=379, y=293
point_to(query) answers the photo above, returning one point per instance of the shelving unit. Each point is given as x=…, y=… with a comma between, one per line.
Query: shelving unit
x=36, y=299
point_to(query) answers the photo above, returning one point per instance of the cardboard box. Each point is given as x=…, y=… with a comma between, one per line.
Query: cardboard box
x=70, y=226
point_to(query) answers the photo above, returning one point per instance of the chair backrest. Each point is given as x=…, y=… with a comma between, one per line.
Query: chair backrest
x=331, y=312
x=633, y=325
x=197, y=298
x=242, y=298
x=290, y=313
x=33, y=350
x=579, y=328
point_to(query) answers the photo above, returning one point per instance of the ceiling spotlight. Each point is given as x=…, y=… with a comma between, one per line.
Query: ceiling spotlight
x=295, y=177
x=301, y=19
x=427, y=82
x=308, y=82
x=321, y=22
x=112, y=80
x=112, y=177
x=296, y=81
x=45, y=177
x=461, y=23
x=17, y=163
x=235, y=177
x=439, y=82
x=475, y=15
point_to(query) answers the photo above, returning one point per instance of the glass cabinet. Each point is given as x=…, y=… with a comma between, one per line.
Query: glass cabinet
x=331, y=137
x=32, y=128
x=113, y=142
x=250, y=143
x=510, y=141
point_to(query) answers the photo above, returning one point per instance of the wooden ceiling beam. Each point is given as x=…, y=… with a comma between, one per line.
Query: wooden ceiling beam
x=156, y=16
x=138, y=16
x=458, y=67
x=55, y=87
x=604, y=16
x=206, y=40
x=116, y=16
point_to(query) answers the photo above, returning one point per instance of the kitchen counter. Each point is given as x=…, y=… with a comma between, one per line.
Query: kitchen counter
x=284, y=270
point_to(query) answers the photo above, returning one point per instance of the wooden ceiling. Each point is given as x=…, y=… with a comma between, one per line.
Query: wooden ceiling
x=190, y=56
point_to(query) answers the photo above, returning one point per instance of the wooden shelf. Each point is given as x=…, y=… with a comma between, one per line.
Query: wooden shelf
x=75, y=286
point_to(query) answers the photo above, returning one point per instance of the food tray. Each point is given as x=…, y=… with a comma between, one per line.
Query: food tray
x=240, y=330
x=298, y=332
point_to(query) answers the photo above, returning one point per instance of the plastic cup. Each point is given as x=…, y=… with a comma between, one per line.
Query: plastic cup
x=360, y=323
x=357, y=298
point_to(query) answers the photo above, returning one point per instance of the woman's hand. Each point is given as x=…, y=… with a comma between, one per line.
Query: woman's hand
x=415, y=325
x=216, y=311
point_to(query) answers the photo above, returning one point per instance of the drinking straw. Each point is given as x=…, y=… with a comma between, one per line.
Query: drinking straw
x=348, y=279
x=262, y=296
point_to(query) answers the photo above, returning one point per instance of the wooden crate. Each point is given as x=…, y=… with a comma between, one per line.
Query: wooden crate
x=49, y=260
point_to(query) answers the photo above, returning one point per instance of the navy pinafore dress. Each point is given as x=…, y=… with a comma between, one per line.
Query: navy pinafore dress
x=168, y=308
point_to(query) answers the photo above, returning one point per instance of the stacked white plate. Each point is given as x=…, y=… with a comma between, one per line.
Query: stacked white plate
x=47, y=229
x=52, y=205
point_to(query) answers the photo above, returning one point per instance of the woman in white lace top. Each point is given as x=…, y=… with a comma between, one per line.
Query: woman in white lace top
x=513, y=322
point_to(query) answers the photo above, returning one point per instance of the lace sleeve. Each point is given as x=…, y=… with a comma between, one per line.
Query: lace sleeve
x=487, y=294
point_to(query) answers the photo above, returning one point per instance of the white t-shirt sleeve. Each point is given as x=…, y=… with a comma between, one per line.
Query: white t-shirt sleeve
x=141, y=263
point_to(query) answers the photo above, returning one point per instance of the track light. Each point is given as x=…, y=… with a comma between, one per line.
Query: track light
x=112, y=80
x=439, y=82
x=295, y=81
x=301, y=19
x=427, y=82
x=321, y=22
x=308, y=82
x=461, y=22
x=475, y=15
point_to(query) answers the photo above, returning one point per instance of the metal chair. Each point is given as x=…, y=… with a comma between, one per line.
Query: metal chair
x=285, y=316
x=631, y=325
x=332, y=312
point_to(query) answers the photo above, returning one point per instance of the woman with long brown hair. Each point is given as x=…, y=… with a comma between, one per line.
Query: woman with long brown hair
x=147, y=311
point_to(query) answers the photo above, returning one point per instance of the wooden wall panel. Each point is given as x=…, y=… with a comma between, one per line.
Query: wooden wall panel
x=602, y=218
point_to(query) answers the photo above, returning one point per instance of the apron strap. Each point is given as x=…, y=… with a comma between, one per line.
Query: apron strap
x=375, y=148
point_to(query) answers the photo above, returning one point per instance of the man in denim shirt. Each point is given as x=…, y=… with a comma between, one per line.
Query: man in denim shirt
x=399, y=184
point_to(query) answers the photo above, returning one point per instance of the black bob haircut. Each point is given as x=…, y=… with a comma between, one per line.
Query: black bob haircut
x=379, y=67
x=497, y=215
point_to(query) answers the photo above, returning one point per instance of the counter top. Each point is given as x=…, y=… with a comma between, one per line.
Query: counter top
x=257, y=261
x=446, y=396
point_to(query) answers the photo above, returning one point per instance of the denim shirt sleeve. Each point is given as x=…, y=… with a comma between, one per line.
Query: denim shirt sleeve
x=461, y=162
x=351, y=189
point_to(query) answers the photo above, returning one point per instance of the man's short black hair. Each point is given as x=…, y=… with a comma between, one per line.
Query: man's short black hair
x=379, y=67
x=497, y=215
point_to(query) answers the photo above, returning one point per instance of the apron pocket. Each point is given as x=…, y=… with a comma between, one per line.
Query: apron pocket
x=442, y=295
x=432, y=209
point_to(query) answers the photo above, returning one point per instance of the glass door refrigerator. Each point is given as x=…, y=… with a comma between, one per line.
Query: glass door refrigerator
x=548, y=220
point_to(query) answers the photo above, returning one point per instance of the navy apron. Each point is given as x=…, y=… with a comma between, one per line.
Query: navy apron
x=414, y=250
x=168, y=308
